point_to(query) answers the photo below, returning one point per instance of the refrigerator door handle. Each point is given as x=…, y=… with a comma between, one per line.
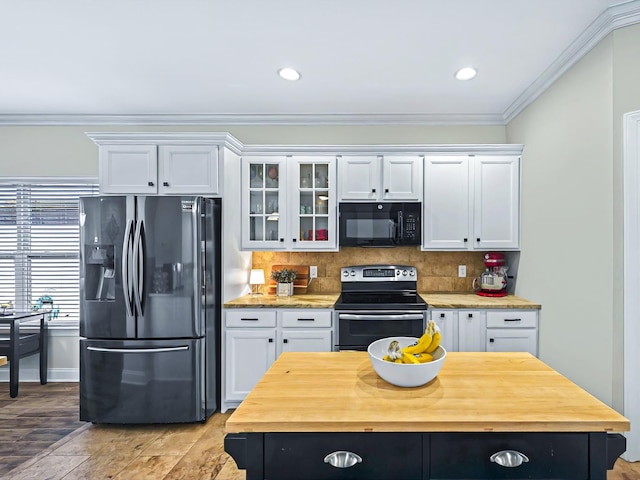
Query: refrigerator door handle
x=138, y=350
x=126, y=286
x=198, y=271
x=136, y=267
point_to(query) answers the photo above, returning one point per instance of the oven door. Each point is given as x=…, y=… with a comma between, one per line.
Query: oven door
x=357, y=329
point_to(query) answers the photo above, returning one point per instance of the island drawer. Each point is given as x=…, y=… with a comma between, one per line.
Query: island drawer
x=292, y=456
x=550, y=455
x=512, y=318
x=243, y=317
x=306, y=318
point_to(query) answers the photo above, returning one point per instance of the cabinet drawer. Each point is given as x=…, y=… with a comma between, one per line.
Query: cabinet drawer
x=550, y=455
x=292, y=456
x=250, y=318
x=306, y=318
x=512, y=318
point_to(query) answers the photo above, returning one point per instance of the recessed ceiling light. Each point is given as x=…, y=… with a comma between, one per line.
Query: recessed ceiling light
x=289, y=74
x=466, y=73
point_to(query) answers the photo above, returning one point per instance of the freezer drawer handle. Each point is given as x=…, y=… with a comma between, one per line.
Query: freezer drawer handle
x=509, y=458
x=138, y=350
x=342, y=459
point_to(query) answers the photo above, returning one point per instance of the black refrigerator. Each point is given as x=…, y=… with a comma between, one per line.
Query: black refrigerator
x=150, y=309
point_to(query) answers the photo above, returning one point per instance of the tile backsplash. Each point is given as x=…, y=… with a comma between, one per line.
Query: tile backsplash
x=437, y=271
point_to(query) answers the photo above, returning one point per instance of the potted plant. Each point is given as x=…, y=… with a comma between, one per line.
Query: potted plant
x=284, y=279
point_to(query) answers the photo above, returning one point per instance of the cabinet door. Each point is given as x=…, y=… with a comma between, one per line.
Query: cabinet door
x=188, y=170
x=446, y=222
x=496, y=202
x=445, y=319
x=306, y=340
x=264, y=203
x=359, y=177
x=402, y=177
x=471, y=331
x=512, y=340
x=312, y=203
x=128, y=169
x=248, y=355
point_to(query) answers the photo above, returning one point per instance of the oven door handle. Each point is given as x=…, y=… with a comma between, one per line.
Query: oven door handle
x=382, y=316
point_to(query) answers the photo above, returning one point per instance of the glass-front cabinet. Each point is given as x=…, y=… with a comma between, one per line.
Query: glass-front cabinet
x=289, y=203
x=263, y=185
x=313, y=205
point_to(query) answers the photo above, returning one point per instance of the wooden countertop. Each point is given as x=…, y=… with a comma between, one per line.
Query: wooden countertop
x=434, y=300
x=474, y=392
x=471, y=300
x=293, y=301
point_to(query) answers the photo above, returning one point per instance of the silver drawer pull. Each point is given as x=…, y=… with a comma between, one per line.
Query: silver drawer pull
x=512, y=319
x=342, y=459
x=509, y=458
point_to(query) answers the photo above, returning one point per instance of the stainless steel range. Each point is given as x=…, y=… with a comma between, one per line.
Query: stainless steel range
x=378, y=301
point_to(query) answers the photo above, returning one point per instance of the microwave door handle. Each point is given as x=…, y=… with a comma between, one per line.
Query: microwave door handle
x=400, y=225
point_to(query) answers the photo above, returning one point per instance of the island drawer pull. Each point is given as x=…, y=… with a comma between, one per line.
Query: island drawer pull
x=249, y=319
x=512, y=319
x=509, y=458
x=306, y=319
x=342, y=459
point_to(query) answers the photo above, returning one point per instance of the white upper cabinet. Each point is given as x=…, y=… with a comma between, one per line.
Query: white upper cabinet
x=496, y=218
x=378, y=178
x=446, y=220
x=188, y=169
x=128, y=169
x=471, y=202
x=289, y=203
x=160, y=163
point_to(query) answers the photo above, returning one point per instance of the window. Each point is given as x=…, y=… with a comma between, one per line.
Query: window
x=39, y=240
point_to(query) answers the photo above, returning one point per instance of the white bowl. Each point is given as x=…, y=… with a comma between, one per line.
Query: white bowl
x=404, y=374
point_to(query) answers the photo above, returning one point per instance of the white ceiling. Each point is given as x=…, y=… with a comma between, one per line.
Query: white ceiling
x=360, y=59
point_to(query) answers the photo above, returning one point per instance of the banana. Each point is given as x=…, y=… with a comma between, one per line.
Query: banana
x=435, y=338
x=421, y=345
x=423, y=357
x=409, y=358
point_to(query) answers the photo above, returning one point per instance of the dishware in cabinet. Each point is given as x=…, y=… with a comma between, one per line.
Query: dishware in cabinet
x=313, y=204
x=263, y=202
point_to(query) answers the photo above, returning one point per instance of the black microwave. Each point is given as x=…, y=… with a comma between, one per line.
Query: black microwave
x=383, y=224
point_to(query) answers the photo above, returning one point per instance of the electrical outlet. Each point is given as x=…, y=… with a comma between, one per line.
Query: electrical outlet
x=462, y=270
x=313, y=271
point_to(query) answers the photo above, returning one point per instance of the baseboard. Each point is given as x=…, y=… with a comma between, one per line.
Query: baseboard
x=53, y=375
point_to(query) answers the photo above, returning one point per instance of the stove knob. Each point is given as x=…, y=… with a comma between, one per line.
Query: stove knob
x=345, y=274
x=412, y=272
x=397, y=272
x=353, y=273
x=404, y=272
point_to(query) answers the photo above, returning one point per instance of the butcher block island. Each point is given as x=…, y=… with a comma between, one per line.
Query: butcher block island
x=486, y=415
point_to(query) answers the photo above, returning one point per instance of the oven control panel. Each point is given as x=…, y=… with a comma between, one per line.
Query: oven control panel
x=378, y=273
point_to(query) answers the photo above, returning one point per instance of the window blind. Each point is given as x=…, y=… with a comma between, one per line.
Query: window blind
x=39, y=246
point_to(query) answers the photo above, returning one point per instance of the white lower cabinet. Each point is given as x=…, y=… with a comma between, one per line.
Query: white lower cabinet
x=471, y=331
x=503, y=330
x=512, y=331
x=254, y=338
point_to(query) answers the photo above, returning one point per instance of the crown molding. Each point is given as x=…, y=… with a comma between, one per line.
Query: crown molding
x=251, y=119
x=410, y=149
x=167, y=138
x=614, y=17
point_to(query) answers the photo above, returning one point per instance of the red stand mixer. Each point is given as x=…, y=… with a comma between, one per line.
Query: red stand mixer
x=493, y=281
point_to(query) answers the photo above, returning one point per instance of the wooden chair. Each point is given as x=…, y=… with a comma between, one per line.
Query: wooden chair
x=24, y=342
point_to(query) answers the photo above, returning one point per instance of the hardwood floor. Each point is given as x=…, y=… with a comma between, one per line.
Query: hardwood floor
x=35, y=439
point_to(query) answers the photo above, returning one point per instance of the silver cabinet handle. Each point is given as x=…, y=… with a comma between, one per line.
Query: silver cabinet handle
x=509, y=458
x=342, y=459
